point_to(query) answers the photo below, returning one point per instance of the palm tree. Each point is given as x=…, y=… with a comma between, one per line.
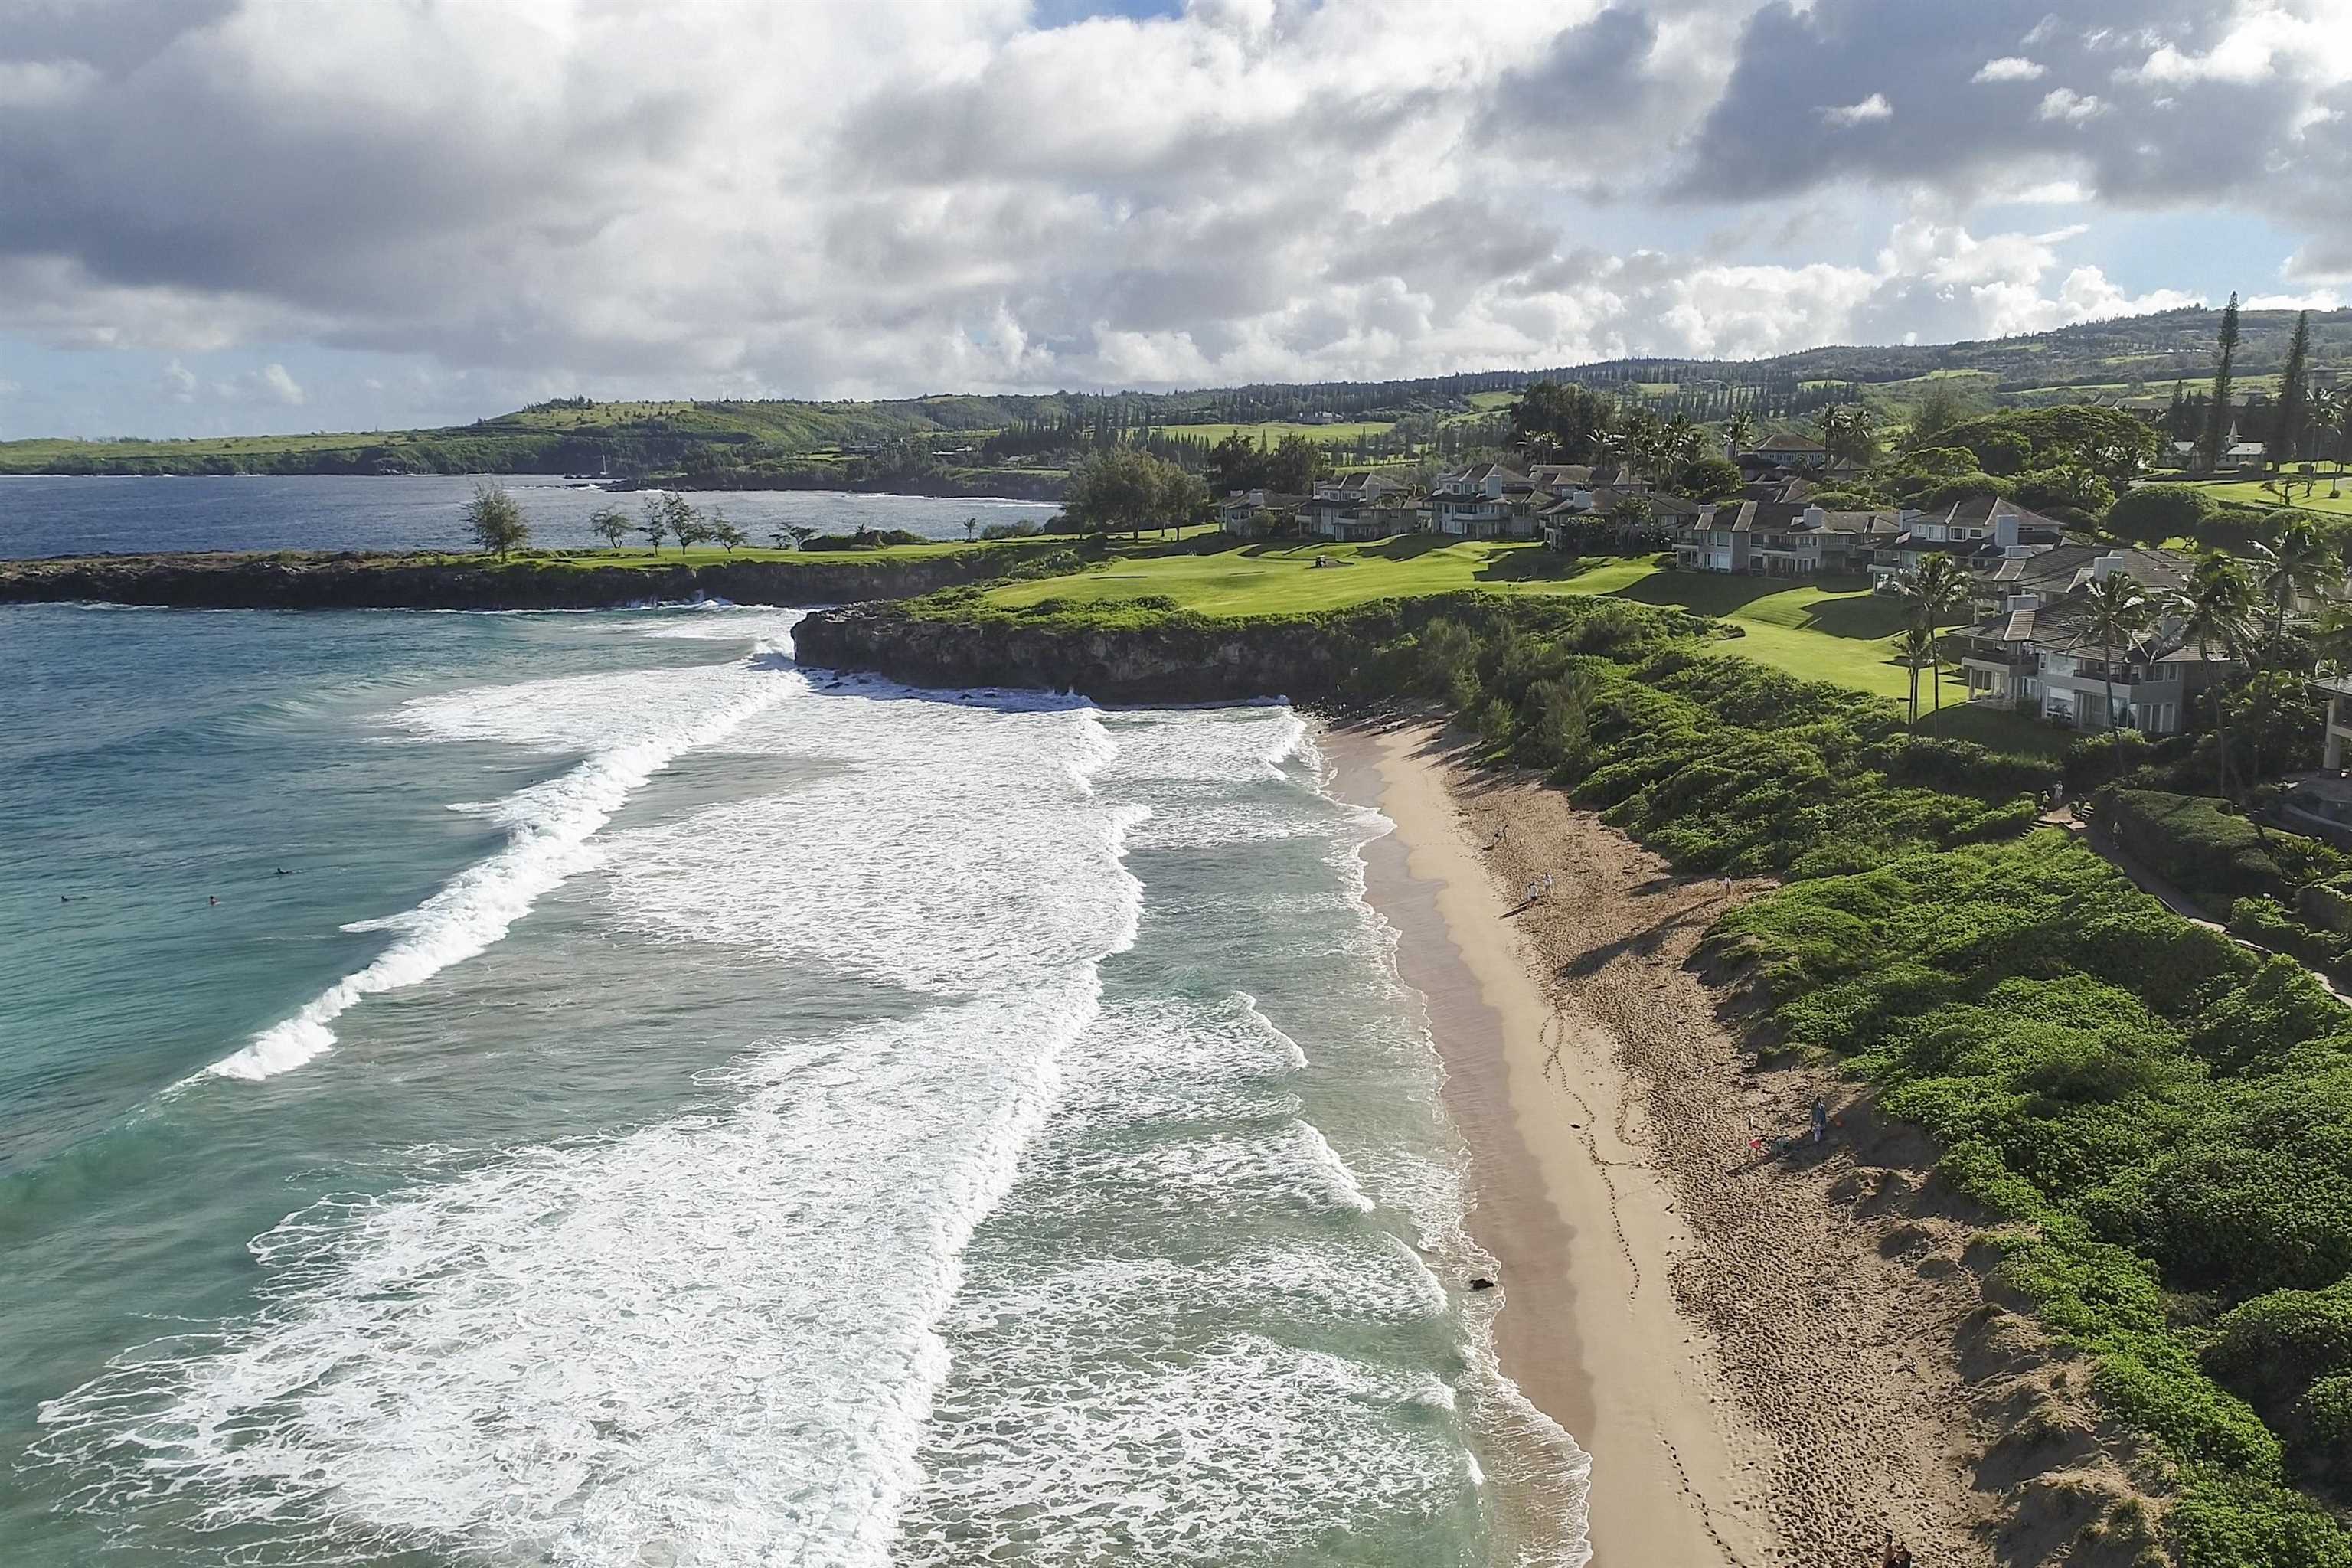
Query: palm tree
x=2116, y=611
x=1846, y=431
x=1935, y=593
x=2300, y=565
x=1678, y=444
x=1641, y=431
x=2216, y=610
x=2331, y=637
x=1915, y=650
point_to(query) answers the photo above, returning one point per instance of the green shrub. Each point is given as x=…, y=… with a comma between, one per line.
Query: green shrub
x=2214, y=858
x=1946, y=493
x=2273, y=1348
x=2001, y=451
x=2159, y=1390
x=2153, y=513
x=2224, y=1520
x=2320, y=1429
x=1941, y=461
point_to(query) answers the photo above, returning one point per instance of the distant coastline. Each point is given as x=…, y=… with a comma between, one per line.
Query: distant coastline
x=989, y=484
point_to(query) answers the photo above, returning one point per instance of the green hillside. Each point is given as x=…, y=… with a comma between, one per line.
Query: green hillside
x=951, y=440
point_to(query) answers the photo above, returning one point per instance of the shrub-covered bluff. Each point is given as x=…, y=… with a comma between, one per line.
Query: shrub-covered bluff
x=2156, y=1122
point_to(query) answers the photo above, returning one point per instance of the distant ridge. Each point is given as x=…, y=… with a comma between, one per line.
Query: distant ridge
x=976, y=443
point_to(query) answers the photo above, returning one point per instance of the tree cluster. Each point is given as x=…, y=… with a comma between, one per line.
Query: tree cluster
x=669, y=516
x=1125, y=490
x=1291, y=467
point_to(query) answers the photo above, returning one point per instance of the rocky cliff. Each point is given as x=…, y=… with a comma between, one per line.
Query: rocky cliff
x=355, y=582
x=1131, y=654
x=1160, y=659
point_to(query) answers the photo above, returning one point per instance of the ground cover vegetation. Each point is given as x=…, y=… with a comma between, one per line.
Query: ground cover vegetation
x=2164, y=1117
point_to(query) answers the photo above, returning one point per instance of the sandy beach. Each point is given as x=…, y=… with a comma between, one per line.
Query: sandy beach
x=1763, y=1356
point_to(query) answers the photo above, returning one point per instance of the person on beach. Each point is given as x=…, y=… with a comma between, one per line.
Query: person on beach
x=1535, y=890
x=1821, y=1119
x=1547, y=884
x=1893, y=1554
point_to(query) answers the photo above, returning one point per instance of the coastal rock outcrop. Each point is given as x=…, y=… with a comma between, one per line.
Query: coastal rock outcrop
x=351, y=581
x=1138, y=654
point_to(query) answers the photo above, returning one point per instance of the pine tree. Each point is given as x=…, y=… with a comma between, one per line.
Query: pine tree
x=2294, y=397
x=2217, y=412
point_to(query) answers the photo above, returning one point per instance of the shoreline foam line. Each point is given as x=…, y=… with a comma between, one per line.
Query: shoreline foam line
x=546, y=824
x=1543, y=1470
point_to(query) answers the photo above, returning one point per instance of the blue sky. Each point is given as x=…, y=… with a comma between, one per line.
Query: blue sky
x=219, y=216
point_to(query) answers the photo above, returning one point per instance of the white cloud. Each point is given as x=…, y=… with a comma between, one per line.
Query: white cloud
x=2008, y=68
x=850, y=197
x=2065, y=103
x=1874, y=107
x=2260, y=40
x=2314, y=299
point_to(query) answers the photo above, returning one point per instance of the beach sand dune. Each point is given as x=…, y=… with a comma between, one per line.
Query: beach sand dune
x=1770, y=1358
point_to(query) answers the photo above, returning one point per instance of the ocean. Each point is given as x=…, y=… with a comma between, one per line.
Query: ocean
x=638, y=1100
x=44, y=515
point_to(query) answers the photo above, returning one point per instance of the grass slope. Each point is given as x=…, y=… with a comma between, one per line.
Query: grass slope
x=2249, y=493
x=1836, y=633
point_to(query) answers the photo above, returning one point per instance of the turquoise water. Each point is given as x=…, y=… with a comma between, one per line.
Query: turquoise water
x=675, y=1108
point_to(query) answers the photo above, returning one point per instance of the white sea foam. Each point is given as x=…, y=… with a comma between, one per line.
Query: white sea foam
x=1015, y=1270
x=1136, y=1378
x=1211, y=745
x=710, y=1340
x=1249, y=1451
x=944, y=854
x=633, y=725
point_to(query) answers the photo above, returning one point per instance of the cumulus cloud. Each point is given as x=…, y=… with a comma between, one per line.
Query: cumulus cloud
x=2176, y=80
x=2008, y=68
x=2065, y=103
x=1874, y=107
x=853, y=197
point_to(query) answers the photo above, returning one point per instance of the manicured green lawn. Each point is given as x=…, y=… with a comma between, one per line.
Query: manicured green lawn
x=2249, y=493
x=1835, y=633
